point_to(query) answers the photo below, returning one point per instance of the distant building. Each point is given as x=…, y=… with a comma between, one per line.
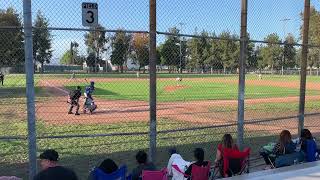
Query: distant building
x=129, y=66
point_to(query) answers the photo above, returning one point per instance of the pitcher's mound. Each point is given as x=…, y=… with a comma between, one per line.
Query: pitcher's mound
x=174, y=88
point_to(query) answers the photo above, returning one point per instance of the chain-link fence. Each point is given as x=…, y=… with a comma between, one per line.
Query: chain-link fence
x=197, y=64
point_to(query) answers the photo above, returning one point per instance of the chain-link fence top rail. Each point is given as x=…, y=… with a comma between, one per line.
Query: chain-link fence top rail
x=201, y=39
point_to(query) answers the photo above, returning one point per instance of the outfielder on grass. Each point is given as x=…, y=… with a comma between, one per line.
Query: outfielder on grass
x=74, y=97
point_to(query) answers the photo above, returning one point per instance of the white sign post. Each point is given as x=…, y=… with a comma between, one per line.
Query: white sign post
x=90, y=14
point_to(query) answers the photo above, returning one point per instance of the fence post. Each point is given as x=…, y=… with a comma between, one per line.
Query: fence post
x=153, y=80
x=32, y=144
x=242, y=72
x=304, y=57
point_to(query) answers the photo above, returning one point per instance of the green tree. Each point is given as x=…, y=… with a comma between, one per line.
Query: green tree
x=11, y=40
x=96, y=41
x=66, y=58
x=79, y=60
x=230, y=50
x=259, y=58
x=159, y=56
x=74, y=52
x=204, y=50
x=120, y=49
x=170, y=50
x=42, y=51
x=140, y=50
x=272, y=53
x=192, y=51
x=198, y=49
x=289, y=52
x=91, y=60
x=214, y=57
x=71, y=56
x=252, y=60
x=181, y=64
x=314, y=37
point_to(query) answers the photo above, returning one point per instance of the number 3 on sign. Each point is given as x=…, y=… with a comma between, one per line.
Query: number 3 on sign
x=90, y=17
x=90, y=14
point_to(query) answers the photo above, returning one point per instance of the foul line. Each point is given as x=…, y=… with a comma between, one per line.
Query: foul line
x=60, y=89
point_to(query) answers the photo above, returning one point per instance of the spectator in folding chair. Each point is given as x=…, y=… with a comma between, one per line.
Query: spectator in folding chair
x=227, y=142
x=308, y=145
x=284, y=146
x=50, y=168
x=177, y=165
x=143, y=164
x=108, y=169
x=200, y=169
x=235, y=162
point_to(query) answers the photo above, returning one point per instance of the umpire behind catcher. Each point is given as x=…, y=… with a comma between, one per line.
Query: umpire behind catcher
x=74, y=97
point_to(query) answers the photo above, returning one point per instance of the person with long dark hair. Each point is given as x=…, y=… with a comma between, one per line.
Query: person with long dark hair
x=285, y=144
x=227, y=142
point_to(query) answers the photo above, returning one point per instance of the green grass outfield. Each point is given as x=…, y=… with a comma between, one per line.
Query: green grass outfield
x=284, y=78
x=139, y=90
x=193, y=90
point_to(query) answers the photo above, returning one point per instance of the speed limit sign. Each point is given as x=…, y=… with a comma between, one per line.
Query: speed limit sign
x=90, y=14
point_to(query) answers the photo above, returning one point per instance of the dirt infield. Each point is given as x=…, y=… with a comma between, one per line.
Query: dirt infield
x=174, y=88
x=197, y=112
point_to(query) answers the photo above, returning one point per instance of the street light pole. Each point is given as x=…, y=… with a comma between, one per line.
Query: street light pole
x=284, y=39
x=180, y=64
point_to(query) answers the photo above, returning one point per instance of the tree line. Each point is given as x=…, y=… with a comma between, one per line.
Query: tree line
x=12, y=40
x=206, y=51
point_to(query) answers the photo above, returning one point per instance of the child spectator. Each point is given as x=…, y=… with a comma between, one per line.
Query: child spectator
x=199, y=156
x=143, y=164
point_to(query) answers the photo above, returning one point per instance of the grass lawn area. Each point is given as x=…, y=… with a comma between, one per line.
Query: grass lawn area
x=193, y=90
x=269, y=107
x=82, y=154
x=15, y=87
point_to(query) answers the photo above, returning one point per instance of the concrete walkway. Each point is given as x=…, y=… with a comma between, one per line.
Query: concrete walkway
x=305, y=171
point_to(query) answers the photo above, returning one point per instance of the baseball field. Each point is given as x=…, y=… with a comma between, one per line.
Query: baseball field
x=195, y=111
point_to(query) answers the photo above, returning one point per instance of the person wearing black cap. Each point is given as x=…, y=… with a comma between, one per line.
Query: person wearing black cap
x=50, y=168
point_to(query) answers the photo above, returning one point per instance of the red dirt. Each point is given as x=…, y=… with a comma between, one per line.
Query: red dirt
x=174, y=88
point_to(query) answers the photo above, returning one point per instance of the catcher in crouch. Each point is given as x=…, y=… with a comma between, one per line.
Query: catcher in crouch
x=89, y=104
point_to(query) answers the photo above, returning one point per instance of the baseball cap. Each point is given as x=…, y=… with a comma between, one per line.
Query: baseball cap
x=50, y=155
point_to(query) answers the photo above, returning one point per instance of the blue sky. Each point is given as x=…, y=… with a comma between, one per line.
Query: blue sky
x=264, y=16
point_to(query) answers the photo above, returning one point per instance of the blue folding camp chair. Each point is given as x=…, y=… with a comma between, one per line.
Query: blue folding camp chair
x=120, y=174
